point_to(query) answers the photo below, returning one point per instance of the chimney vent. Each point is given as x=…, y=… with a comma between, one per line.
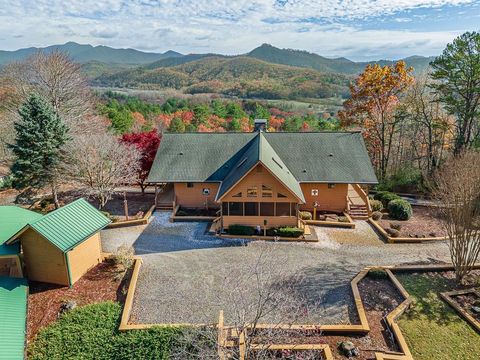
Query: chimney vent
x=260, y=125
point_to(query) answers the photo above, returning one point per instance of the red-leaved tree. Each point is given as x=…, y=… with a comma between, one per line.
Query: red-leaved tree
x=147, y=143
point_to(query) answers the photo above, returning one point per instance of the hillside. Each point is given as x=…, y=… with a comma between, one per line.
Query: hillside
x=305, y=59
x=85, y=53
x=236, y=76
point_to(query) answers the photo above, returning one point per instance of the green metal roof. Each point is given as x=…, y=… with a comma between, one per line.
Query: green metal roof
x=13, y=315
x=71, y=224
x=13, y=219
x=257, y=151
x=329, y=157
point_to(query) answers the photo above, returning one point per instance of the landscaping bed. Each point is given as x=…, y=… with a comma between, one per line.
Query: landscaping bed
x=424, y=223
x=183, y=211
x=101, y=283
x=467, y=302
x=431, y=327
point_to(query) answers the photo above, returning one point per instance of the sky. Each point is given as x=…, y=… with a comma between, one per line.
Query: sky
x=356, y=29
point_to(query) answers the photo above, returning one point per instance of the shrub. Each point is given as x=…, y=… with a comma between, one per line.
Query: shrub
x=393, y=233
x=305, y=215
x=377, y=215
x=400, y=209
x=407, y=179
x=123, y=258
x=343, y=219
x=97, y=327
x=290, y=232
x=377, y=274
x=396, y=226
x=6, y=182
x=385, y=197
x=376, y=205
x=241, y=230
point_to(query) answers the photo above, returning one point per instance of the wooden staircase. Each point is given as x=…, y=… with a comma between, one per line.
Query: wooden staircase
x=165, y=207
x=359, y=212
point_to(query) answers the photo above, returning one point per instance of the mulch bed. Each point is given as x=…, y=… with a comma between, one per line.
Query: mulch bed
x=99, y=284
x=467, y=301
x=182, y=211
x=380, y=297
x=425, y=222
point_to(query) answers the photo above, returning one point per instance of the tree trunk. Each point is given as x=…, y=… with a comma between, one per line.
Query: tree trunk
x=55, y=195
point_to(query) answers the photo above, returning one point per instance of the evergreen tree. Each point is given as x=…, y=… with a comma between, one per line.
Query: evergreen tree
x=40, y=137
x=177, y=125
x=457, y=72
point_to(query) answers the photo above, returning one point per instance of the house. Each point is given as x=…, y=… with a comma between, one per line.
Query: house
x=263, y=178
x=58, y=247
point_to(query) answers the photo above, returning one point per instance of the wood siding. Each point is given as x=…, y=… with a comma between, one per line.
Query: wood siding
x=84, y=257
x=257, y=177
x=273, y=221
x=334, y=199
x=193, y=196
x=43, y=261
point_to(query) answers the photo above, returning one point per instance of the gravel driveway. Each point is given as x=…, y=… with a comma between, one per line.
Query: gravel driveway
x=188, y=276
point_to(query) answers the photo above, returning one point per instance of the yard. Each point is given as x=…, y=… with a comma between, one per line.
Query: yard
x=188, y=276
x=432, y=329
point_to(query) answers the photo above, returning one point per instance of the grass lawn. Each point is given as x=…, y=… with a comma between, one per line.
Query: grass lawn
x=91, y=332
x=432, y=329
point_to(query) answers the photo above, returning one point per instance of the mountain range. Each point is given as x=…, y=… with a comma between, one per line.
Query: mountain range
x=266, y=71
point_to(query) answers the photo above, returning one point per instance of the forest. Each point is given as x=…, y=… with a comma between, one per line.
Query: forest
x=411, y=123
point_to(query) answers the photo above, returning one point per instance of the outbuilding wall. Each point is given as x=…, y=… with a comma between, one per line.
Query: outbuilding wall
x=43, y=261
x=84, y=257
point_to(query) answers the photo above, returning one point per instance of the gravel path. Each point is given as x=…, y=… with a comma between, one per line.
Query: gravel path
x=188, y=276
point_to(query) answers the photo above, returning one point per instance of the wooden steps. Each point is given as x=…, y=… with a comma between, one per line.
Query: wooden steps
x=359, y=212
x=165, y=207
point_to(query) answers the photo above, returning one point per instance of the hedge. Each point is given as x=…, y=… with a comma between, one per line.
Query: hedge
x=241, y=230
x=376, y=205
x=91, y=332
x=290, y=232
x=400, y=209
x=305, y=215
x=385, y=197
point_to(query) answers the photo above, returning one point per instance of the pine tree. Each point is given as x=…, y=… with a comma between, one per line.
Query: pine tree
x=40, y=137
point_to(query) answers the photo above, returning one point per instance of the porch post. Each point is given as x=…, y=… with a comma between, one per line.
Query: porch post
x=156, y=194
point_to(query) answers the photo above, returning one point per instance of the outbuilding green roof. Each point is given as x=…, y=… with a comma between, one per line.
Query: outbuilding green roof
x=13, y=219
x=70, y=225
x=13, y=315
x=325, y=157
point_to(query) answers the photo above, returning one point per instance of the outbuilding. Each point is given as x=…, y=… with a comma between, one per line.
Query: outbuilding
x=63, y=245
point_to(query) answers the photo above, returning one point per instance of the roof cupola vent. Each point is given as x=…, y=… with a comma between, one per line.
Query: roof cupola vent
x=260, y=125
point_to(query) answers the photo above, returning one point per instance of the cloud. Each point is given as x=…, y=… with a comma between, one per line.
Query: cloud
x=328, y=27
x=104, y=34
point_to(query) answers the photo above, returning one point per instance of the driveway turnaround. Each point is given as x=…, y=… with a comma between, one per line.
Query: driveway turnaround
x=188, y=276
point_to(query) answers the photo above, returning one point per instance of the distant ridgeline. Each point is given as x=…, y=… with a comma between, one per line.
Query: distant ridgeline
x=265, y=72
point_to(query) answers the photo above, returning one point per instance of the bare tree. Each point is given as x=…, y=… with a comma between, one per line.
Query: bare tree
x=100, y=163
x=56, y=78
x=263, y=301
x=458, y=187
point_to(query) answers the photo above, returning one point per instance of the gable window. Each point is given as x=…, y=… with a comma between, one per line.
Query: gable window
x=189, y=185
x=251, y=209
x=252, y=191
x=237, y=195
x=331, y=185
x=281, y=195
x=267, y=191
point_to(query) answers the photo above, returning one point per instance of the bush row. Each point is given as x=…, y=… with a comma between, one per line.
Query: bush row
x=285, y=231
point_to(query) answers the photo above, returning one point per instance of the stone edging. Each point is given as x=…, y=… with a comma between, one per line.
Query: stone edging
x=393, y=240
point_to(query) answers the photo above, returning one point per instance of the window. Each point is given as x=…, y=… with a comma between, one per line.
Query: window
x=267, y=209
x=237, y=195
x=267, y=191
x=225, y=209
x=235, y=209
x=251, y=209
x=252, y=191
x=331, y=185
x=314, y=192
x=189, y=185
x=283, y=209
x=281, y=195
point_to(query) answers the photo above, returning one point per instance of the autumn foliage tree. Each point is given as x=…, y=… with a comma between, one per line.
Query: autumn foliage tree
x=147, y=144
x=373, y=106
